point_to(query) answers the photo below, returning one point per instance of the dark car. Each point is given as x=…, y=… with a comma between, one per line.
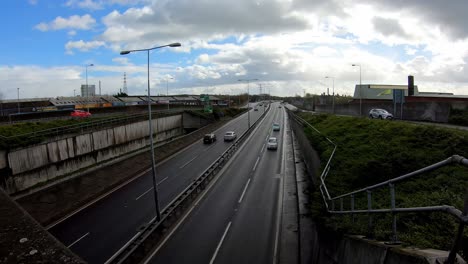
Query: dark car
x=209, y=138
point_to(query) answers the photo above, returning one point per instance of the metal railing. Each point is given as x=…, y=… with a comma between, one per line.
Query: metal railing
x=331, y=202
x=141, y=244
x=87, y=126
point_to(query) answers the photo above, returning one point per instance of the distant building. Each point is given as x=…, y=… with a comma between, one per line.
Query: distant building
x=91, y=91
x=379, y=91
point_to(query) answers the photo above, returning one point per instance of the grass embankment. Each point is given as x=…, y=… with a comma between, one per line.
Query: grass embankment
x=372, y=151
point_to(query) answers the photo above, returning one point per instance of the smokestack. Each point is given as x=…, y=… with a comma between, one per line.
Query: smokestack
x=410, y=85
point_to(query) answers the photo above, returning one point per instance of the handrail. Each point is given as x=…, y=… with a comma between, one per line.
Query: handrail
x=461, y=216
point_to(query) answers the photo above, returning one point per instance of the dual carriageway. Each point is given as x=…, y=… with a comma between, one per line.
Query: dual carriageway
x=237, y=220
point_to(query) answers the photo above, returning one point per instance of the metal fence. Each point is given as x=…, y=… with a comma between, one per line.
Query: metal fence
x=332, y=203
x=87, y=126
x=142, y=244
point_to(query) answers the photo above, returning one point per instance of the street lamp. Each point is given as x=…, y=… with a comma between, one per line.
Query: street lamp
x=333, y=92
x=153, y=167
x=248, y=98
x=360, y=88
x=167, y=91
x=18, y=102
x=87, y=88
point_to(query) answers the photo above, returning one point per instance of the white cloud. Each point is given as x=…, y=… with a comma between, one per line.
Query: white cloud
x=84, y=22
x=83, y=46
x=32, y=2
x=121, y=60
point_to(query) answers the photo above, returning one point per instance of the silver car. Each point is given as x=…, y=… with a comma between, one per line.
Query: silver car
x=272, y=143
x=230, y=136
x=380, y=113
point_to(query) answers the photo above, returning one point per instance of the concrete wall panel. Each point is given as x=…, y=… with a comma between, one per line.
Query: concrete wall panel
x=83, y=144
x=120, y=135
x=3, y=159
x=28, y=159
x=103, y=139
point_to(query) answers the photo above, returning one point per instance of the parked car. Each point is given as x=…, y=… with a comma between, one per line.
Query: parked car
x=276, y=127
x=80, y=113
x=272, y=143
x=209, y=138
x=230, y=136
x=380, y=113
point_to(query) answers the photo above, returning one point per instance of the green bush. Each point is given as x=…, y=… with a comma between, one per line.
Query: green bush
x=372, y=151
x=458, y=117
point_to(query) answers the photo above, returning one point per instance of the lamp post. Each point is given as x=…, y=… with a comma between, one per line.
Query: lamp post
x=153, y=166
x=19, y=111
x=248, y=98
x=87, y=88
x=360, y=88
x=167, y=92
x=333, y=92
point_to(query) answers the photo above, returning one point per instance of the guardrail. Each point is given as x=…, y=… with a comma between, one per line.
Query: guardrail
x=330, y=202
x=140, y=245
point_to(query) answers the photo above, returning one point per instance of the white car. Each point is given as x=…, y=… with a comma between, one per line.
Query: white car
x=276, y=127
x=380, y=113
x=230, y=136
x=272, y=143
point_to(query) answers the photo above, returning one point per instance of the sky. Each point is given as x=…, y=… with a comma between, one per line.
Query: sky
x=285, y=47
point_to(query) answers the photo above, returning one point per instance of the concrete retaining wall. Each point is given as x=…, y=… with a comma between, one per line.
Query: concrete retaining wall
x=52, y=160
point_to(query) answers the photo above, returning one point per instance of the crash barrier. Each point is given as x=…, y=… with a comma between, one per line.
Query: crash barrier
x=144, y=241
x=336, y=205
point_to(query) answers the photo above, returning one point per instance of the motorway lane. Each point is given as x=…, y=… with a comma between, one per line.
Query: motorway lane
x=98, y=231
x=236, y=221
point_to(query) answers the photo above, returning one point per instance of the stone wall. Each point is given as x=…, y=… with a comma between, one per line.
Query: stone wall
x=50, y=161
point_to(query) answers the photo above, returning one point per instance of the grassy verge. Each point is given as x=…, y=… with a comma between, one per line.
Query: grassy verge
x=372, y=151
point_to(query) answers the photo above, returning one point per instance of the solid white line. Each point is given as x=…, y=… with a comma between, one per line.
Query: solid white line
x=136, y=199
x=121, y=249
x=188, y=162
x=161, y=181
x=256, y=163
x=85, y=235
x=220, y=243
x=243, y=192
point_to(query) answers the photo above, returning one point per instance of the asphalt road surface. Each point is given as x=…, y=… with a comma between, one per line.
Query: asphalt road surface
x=237, y=221
x=100, y=230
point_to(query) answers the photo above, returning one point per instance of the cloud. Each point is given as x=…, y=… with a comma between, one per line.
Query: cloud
x=83, y=46
x=122, y=61
x=161, y=21
x=32, y=2
x=84, y=22
x=389, y=27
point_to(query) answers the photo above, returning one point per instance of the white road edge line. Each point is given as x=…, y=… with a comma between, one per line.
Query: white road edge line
x=243, y=192
x=159, y=183
x=78, y=240
x=281, y=194
x=236, y=120
x=122, y=248
x=211, y=184
x=136, y=199
x=220, y=242
x=256, y=163
x=188, y=162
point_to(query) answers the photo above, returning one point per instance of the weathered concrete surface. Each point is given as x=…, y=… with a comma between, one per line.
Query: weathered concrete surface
x=58, y=160
x=50, y=204
x=23, y=240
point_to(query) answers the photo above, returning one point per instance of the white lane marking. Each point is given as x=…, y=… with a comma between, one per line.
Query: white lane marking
x=188, y=162
x=256, y=163
x=78, y=240
x=243, y=192
x=278, y=220
x=159, y=183
x=136, y=199
x=263, y=148
x=220, y=243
